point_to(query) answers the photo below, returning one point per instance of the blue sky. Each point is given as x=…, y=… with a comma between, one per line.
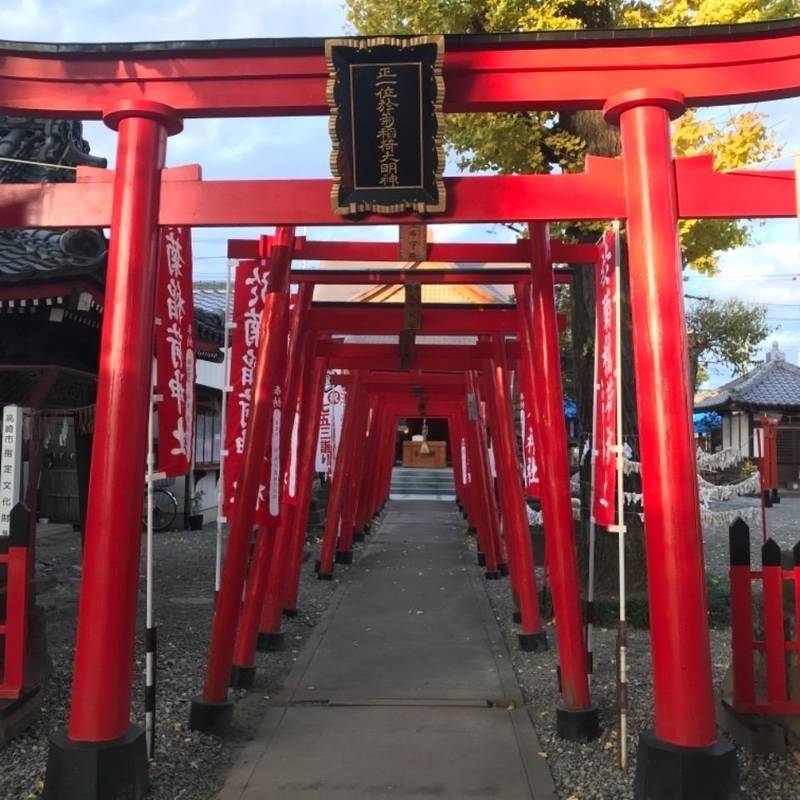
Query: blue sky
x=768, y=272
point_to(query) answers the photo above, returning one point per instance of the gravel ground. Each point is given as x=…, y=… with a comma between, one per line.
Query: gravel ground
x=188, y=765
x=590, y=771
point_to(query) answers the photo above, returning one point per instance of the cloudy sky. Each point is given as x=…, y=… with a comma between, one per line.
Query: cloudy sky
x=768, y=272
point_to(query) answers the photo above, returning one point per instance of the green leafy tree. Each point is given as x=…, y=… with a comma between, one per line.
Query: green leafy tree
x=724, y=334
x=548, y=141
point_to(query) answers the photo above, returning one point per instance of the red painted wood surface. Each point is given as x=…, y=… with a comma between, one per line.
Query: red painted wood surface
x=534, y=73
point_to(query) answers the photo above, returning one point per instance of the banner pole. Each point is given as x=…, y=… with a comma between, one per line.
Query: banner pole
x=592, y=523
x=622, y=666
x=226, y=385
x=150, y=632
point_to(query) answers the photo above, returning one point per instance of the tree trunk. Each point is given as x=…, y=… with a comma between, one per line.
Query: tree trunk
x=603, y=140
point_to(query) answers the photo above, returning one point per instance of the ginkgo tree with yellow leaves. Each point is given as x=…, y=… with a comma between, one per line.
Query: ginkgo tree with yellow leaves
x=537, y=141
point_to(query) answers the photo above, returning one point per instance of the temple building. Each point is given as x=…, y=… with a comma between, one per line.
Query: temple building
x=771, y=389
x=51, y=310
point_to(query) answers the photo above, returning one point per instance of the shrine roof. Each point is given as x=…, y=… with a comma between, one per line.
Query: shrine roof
x=452, y=41
x=773, y=384
x=39, y=150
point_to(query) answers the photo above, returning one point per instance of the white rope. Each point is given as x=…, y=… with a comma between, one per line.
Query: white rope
x=36, y=163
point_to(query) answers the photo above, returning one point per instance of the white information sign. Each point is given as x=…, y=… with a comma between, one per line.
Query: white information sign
x=10, y=465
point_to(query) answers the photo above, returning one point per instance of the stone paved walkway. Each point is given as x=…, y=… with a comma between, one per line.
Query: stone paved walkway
x=406, y=688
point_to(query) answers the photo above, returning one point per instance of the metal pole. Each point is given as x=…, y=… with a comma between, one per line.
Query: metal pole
x=150, y=634
x=226, y=388
x=622, y=638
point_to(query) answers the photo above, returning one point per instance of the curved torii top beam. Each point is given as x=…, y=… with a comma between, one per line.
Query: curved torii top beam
x=712, y=65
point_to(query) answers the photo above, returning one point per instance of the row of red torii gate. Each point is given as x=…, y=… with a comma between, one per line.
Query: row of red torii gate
x=640, y=81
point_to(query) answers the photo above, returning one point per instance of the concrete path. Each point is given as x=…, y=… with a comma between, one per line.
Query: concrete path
x=406, y=689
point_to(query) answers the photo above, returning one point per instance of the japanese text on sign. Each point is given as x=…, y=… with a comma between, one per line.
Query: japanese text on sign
x=10, y=466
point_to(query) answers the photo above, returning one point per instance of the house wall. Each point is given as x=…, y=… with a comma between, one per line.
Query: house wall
x=736, y=430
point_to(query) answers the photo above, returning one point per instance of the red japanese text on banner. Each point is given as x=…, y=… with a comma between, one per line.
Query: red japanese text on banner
x=330, y=426
x=605, y=393
x=530, y=470
x=249, y=291
x=175, y=352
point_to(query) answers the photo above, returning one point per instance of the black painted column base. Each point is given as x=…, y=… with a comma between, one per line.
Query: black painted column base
x=214, y=718
x=492, y=576
x=481, y=559
x=516, y=617
x=533, y=642
x=290, y=613
x=503, y=569
x=578, y=725
x=669, y=772
x=269, y=642
x=359, y=536
x=97, y=770
x=344, y=556
x=242, y=677
x=324, y=576
x=776, y=498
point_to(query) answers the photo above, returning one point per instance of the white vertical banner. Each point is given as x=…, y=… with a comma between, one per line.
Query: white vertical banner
x=10, y=465
x=330, y=426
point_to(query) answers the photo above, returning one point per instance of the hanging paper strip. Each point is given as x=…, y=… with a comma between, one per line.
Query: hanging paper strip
x=330, y=426
x=249, y=291
x=530, y=470
x=175, y=352
x=605, y=397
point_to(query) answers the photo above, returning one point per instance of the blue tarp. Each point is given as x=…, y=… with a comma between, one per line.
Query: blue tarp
x=706, y=422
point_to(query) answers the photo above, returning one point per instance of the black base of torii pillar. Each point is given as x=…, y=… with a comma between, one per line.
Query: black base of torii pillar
x=669, y=772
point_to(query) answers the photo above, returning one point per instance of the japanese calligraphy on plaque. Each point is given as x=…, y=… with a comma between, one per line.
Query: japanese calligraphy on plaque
x=385, y=96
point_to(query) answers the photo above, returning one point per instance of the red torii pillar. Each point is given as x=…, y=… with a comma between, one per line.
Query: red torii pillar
x=576, y=717
x=262, y=590
x=334, y=514
x=102, y=750
x=483, y=499
x=683, y=758
x=301, y=345
x=344, y=549
x=212, y=711
x=516, y=531
x=313, y=388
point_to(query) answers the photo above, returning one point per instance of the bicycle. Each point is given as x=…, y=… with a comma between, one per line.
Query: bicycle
x=165, y=509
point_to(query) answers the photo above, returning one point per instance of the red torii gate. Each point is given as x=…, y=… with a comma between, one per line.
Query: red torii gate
x=640, y=80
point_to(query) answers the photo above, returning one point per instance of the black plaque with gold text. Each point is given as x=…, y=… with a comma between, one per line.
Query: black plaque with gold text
x=385, y=96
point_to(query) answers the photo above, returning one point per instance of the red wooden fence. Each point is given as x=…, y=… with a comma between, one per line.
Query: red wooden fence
x=14, y=626
x=773, y=696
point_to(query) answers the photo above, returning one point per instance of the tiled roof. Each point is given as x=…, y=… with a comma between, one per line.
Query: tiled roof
x=773, y=384
x=34, y=256
x=46, y=151
x=209, y=313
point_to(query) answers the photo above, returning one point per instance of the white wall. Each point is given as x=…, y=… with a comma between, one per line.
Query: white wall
x=210, y=374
